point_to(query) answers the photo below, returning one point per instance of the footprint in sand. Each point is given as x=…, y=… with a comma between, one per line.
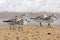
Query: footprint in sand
x=9, y=33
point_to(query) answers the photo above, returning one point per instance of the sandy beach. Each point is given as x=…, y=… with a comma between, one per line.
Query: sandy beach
x=30, y=33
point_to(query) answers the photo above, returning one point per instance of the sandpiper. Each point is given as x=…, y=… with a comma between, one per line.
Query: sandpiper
x=45, y=18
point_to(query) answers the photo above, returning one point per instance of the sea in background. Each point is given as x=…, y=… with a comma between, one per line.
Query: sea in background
x=8, y=16
x=32, y=22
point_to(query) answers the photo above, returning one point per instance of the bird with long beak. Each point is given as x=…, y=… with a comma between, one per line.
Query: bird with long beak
x=44, y=18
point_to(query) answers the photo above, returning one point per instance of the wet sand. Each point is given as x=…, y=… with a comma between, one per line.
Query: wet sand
x=30, y=32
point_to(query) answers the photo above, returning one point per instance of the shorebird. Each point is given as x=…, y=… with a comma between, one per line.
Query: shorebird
x=16, y=21
x=23, y=16
x=12, y=22
x=38, y=18
x=47, y=19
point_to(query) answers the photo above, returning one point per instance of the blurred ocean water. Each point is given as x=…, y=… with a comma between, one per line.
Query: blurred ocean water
x=32, y=22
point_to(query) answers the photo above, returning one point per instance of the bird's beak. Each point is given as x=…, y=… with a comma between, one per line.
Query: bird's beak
x=55, y=17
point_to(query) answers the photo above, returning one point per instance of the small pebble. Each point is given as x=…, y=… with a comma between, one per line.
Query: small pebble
x=49, y=33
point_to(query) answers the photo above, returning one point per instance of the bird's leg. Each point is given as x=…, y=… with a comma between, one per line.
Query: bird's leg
x=13, y=27
x=19, y=29
x=10, y=27
x=40, y=24
x=49, y=25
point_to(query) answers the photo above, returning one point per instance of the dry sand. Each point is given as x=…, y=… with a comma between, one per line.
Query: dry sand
x=30, y=33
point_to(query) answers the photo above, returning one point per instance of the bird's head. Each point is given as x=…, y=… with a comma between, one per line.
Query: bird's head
x=54, y=16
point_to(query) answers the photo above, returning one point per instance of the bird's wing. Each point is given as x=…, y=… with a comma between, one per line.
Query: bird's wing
x=46, y=18
x=7, y=21
x=40, y=17
x=10, y=20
